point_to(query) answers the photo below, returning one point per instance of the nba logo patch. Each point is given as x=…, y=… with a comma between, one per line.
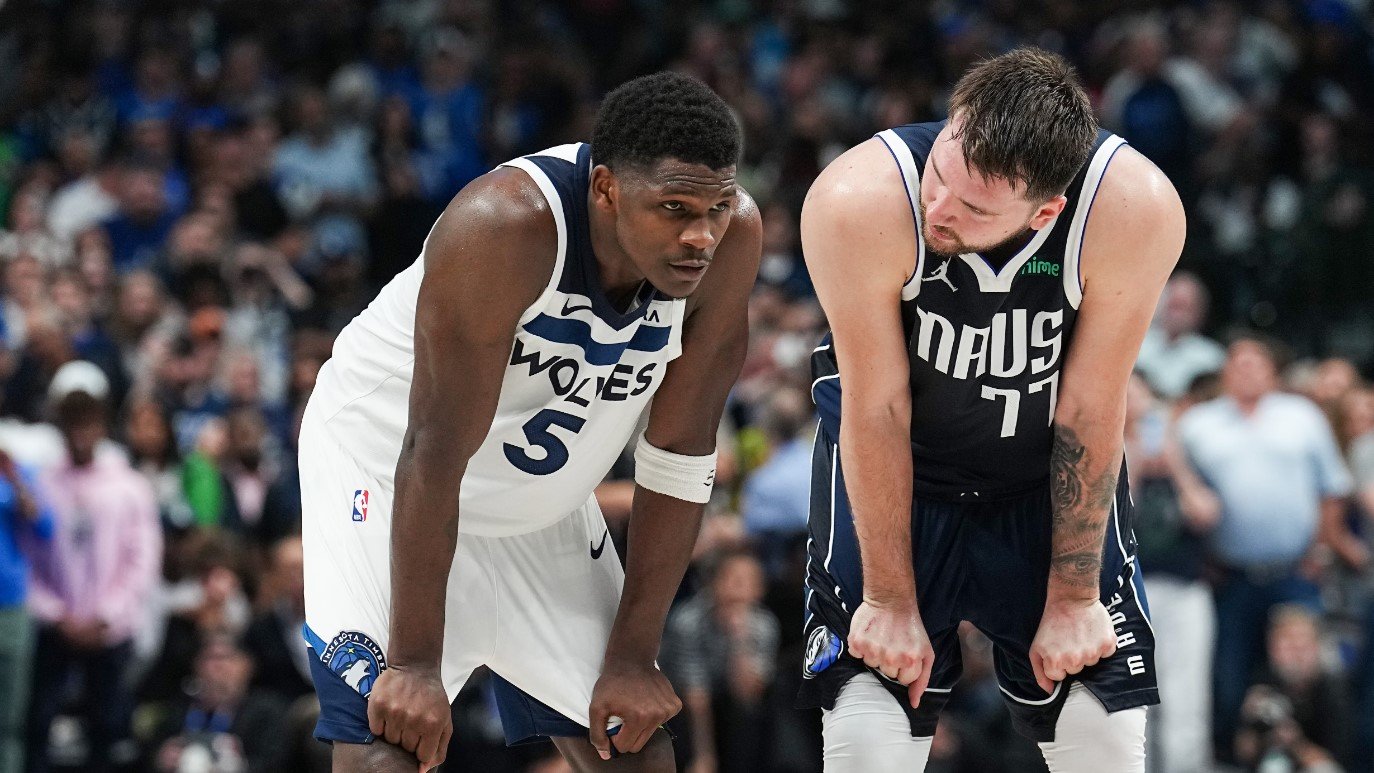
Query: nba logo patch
x=356, y=658
x=360, y=498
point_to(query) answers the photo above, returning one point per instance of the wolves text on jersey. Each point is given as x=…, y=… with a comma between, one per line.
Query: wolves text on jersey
x=565, y=376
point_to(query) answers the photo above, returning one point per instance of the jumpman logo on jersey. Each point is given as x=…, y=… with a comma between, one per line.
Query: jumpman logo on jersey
x=941, y=274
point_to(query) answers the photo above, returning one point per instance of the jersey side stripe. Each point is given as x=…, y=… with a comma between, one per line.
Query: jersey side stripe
x=911, y=180
x=546, y=187
x=1073, y=281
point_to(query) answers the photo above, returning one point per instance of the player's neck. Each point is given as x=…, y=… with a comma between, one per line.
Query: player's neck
x=1001, y=254
x=620, y=278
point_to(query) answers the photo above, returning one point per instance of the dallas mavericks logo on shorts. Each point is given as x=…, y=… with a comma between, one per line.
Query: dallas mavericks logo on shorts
x=822, y=650
x=356, y=659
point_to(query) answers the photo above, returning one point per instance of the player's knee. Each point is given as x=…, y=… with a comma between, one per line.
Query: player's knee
x=655, y=757
x=1087, y=739
x=868, y=731
x=375, y=757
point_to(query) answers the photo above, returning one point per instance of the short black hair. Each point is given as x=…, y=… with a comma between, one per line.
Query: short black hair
x=665, y=115
x=79, y=409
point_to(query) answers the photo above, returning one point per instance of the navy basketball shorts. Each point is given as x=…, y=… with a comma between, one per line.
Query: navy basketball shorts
x=983, y=562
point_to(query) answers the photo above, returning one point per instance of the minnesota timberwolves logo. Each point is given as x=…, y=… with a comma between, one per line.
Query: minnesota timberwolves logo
x=356, y=659
x=822, y=650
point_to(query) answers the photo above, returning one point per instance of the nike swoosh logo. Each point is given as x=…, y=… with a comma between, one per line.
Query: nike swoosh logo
x=568, y=308
x=596, y=551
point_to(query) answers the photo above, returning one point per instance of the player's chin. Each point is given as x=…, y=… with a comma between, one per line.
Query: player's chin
x=680, y=282
x=944, y=245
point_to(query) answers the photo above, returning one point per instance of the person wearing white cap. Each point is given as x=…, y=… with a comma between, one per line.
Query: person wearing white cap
x=39, y=445
x=78, y=376
x=92, y=583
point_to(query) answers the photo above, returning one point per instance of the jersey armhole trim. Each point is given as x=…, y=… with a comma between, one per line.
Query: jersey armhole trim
x=1073, y=249
x=911, y=181
x=555, y=203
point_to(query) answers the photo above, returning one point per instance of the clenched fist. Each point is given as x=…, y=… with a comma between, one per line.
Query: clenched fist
x=409, y=708
x=892, y=640
x=1073, y=635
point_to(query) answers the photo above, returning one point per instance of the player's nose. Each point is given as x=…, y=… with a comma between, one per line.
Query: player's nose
x=939, y=210
x=698, y=235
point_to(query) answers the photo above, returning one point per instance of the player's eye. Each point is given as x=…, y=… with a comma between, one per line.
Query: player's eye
x=721, y=207
x=673, y=206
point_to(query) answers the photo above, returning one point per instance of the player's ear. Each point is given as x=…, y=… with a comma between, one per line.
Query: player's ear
x=605, y=188
x=1048, y=211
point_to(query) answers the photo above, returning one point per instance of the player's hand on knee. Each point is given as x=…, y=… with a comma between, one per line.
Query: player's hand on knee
x=1073, y=635
x=892, y=640
x=409, y=708
x=639, y=695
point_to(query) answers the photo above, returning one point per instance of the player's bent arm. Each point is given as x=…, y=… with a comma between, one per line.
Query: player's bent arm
x=1132, y=241
x=683, y=419
x=859, y=241
x=488, y=258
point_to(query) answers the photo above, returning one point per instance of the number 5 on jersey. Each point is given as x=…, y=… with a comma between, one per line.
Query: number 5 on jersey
x=538, y=431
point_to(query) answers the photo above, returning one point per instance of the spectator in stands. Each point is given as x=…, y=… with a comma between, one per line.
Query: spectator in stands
x=28, y=234
x=92, y=584
x=144, y=219
x=1313, y=729
x=212, y=603
x=155, y=90
x=325, y=176
x=1272, y=461
x=448, y=110
x=23, y=518
x=208, y=490
x=222, y=724
x=87, y=200
x=721, y=649
x=143, y=323
x=1174, y=352
x=274, y=637
x=89, y=340
x=26, y=290
x=153, y=452
x=777, y=496
x=1174, y=512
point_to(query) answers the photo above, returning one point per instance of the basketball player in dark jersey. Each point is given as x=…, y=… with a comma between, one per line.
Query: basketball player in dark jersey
x=972, y=397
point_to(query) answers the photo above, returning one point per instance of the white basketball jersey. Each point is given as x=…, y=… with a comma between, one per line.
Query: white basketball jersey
x=579, y=376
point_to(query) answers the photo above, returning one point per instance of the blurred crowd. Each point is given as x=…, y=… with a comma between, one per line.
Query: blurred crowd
x=196, y=196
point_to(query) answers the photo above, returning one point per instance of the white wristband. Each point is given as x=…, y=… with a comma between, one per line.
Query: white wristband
x=689, y=478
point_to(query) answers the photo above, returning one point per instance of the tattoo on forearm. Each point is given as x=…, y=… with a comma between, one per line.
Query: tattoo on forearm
x=1081, y=498
x=1064, y=458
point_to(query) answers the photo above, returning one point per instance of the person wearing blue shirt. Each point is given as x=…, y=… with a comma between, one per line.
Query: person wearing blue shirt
x=448, y=112
x=22, y=517
x=1271, y=460
x=777, y=496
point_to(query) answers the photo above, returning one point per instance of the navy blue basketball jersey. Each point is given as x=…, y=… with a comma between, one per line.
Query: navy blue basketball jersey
x=986, y=344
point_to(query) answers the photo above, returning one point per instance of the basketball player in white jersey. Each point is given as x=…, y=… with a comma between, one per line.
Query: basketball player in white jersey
x=988, y=281
x=452, y=444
